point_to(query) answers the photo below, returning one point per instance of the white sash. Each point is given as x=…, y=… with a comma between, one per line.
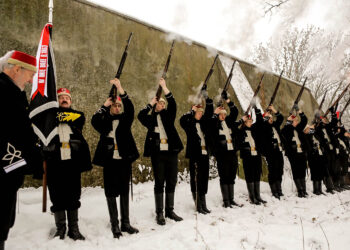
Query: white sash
x=64, y=132
x=164, y=146
x=111, y=134
x=226, y=131
x=201, y=135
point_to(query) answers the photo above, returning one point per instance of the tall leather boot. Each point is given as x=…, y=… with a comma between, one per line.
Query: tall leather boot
x=299, y=188
x=231, y=196
x=169, y=207
x=124, y=212
x=303, y=186
x=336, y=184
x=329, y=184
x=319, y=184
x=2, y=245
x=73, y=228
x=159, y=199
x=343, y=182
x=113, y=216
x=274, y=190
x=204, y=203
x=279, y=188
x=60, y=221
x=198, y=203
x=315, y=187
x=253, y=200
x=257, y=192
x=225, y=195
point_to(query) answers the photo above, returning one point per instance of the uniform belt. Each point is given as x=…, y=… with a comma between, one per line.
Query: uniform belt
x=163, y=141
x=229, y=141
x=65, y=145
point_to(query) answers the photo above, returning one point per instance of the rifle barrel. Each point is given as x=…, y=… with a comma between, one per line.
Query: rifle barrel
x=255, y=93
x=273, y=97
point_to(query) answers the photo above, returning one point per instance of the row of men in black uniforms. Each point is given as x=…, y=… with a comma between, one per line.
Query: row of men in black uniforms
x=213, y=132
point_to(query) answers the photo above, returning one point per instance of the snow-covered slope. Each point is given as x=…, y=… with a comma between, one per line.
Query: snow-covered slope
x=285, y=224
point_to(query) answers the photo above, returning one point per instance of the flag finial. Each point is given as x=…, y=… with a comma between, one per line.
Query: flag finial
x=50, y=10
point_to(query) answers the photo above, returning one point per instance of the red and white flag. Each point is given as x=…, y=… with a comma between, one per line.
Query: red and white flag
x=44, y=97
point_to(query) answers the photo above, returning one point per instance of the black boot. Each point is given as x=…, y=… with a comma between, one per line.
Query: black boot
x=60, y=220
x=204, y=203
x=279, y=188
x=319, y=184
x=231, y=195
x=343, y=183
x=169, y=207
x=113, y=216
x=73, y=228
x=315, y=186
x=299, y=188
x=257, y=192
x=303, y=186
x=2, y=245
x=124, y=212
x=329, y=184
x=159, y=208
x=274, y=190
x=198, y=203
x=253, y=200
x=225, y=195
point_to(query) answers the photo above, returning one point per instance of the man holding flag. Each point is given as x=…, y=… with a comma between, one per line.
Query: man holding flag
x=18, y=153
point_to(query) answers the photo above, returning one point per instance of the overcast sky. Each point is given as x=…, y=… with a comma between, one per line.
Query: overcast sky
x=234, y=26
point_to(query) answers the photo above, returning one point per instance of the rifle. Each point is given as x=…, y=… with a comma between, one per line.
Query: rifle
x=204, y=87
x=165, y=70
x=255, y=94
x=113, y=92
x=321, y=104
x=228, y=81
x=342, y=112
x=338, y=99
x=273, y=97
x=298, y=97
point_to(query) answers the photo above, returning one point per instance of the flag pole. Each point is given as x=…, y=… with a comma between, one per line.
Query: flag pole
x=44, y=207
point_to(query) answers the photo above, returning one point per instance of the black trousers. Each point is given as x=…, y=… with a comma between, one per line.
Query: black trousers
x=202, y=176
x=331, y=160
x=116, y=177
x=275, y=165
x=298, y=165
x=343, y=163
x=64, y=184
x=227, y=163
x=252, y=168
x=9, y=185
x=318, y=167
x=164, y=171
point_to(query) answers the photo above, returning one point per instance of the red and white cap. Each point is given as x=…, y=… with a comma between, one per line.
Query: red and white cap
x=118, y=100
x=63, y=91
x=24, y=60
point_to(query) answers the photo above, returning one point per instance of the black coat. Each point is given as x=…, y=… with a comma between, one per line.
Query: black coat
x=219, y=141
x=102, y=121
x=330, y=129
x=188, y=123
x=256, y=131
x=270, y=143
x=168, y=119
x=288, y=134
x=16, y=132
x=80, y=153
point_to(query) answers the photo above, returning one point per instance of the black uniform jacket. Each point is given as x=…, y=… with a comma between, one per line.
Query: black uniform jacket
x=102, y=121
x=270, y=143
x=219, y=141
x=188, y=123
x=168, y=119
x=288, y=134
x=311, y=146
x=256, y=131
x=330, y=129
x=17, y=138
x=80, y=153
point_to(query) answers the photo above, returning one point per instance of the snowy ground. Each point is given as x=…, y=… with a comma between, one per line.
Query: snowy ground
x=285, y=224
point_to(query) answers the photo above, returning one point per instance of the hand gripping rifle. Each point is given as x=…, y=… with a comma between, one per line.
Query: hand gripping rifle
x=113, y=92
x=298, y=98
x=228, y=81
x=273, y=97
x=255, y=94
x=338, y=99
x=165, y=70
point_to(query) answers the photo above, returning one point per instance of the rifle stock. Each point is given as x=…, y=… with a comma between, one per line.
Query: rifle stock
x=205, y=84
x=298, y=97
x=273, y=97
x=255, y=94
x=113, y=91
x=227, y=83
x=338, y=99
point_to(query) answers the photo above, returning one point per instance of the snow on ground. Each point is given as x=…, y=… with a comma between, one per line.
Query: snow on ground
x=285, y=224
